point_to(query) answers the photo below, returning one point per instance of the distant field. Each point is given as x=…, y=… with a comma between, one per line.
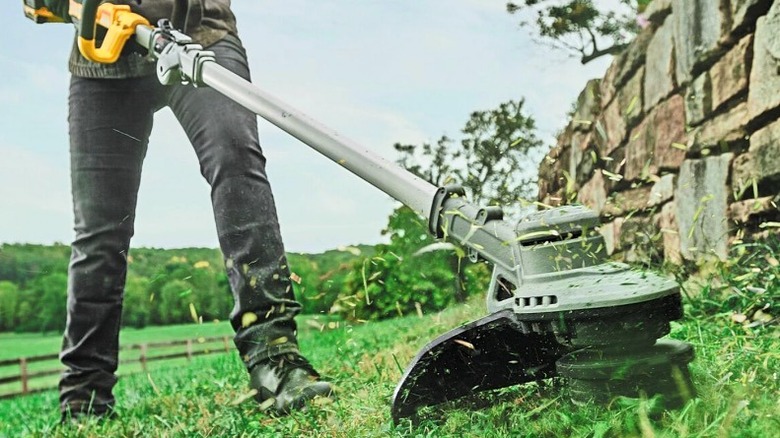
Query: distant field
x=32, y=344
x=14, y=345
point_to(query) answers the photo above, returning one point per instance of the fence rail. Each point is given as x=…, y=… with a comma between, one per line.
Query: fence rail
x=193, y=347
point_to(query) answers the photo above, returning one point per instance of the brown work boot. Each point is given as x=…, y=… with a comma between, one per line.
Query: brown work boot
x=290, y=381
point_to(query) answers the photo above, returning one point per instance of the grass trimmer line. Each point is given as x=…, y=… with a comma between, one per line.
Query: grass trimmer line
x=556, y=306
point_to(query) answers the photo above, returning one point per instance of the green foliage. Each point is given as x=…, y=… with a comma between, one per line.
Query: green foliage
x=401, y=279
x=582, y=26
x=21, y=264
x=162, y=287
x=51, y=307
x=36, y=277
x=175, y=286
x=9, y=303
x=174, y=297
x=318, y=279
x=495, y=160
x=745, y=288
x=136, y=311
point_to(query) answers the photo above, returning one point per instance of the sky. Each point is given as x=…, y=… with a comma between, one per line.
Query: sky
x=377, y=71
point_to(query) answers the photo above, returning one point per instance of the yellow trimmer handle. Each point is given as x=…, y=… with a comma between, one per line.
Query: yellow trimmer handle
x=118, y=20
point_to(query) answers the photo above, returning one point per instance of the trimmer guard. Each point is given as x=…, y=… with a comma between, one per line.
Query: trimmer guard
x=489, y=353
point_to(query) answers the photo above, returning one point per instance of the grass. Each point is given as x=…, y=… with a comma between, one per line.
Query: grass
x=30, y=344
x=736, y=372
x=13, y=345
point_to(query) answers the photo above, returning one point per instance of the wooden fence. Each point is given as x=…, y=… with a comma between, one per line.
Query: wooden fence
x=192, y=348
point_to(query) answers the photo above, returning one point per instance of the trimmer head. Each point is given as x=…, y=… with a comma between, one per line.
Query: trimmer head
x=599, y=375
x=493, y=352
x=561, y=310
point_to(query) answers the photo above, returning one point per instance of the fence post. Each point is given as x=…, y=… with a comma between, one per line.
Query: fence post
x=23, y=374
x=143, y=357
x=189, y=349
x=227, y=345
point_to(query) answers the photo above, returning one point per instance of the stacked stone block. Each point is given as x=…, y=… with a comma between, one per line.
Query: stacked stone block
x=678, y=146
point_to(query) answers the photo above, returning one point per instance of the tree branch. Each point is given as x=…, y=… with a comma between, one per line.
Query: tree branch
x=615, y=49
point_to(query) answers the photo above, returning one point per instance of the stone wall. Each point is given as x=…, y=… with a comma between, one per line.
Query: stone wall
x=678, y=146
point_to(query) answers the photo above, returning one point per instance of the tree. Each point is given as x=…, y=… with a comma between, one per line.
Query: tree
x=51, y=306
x=495, y=160
x=26, y=320
x=9, y=301
x=174, y=302
x=396, y=280
x=400, y=279
x=135, y=311
x=582, y=27
x=498, y=155
x=33, y=283
x=306, y=285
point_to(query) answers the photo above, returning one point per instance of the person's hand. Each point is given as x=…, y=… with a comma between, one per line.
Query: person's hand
x=58, y=8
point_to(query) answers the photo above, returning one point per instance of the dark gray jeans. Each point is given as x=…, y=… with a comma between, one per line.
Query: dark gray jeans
x=110, y=122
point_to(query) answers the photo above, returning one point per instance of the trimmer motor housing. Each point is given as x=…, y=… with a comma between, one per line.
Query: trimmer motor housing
x=558, y=307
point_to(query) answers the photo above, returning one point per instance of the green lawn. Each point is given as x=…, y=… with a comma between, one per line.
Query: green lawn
x=14, y=345
x=736, y=373
x=31, y=344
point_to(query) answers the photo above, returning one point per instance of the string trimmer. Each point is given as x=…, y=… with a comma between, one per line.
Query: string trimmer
x=556, y=306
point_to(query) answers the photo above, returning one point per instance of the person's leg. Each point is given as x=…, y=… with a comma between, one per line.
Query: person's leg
x=225, y=139
x=110, y=122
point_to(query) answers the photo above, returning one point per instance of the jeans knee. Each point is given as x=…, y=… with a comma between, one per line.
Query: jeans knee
x=231, y=160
